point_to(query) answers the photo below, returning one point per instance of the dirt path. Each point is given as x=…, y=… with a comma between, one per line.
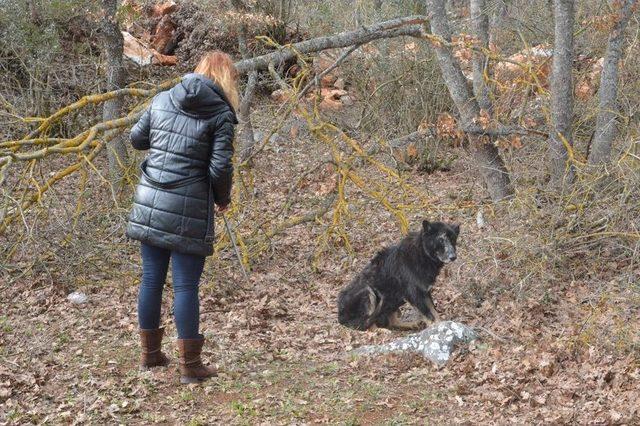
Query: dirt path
x=65, y=363
x=565, y=355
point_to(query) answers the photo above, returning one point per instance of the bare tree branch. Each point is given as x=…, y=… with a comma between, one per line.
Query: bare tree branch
x=419, y=137
x=318, y=78
x=407, y=26
x=279, y=81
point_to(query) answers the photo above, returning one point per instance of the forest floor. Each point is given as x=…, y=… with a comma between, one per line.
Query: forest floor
x=567, y=354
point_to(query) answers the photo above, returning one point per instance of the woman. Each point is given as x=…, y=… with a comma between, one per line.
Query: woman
x=188, y=131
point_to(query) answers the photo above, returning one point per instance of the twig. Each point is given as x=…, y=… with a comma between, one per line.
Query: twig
x=318, y=78
x=492, y=334
x=235, y=246
x=279, y=80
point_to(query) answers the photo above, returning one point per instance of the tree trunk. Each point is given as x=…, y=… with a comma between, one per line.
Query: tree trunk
x=245, y=133
x=480, y=24
x=486, y=155
x=561, y=95
x=115, y=79
x=606, y=129
x=500, y=11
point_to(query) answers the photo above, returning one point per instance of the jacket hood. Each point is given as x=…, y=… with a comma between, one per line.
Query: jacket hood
x=198, y=96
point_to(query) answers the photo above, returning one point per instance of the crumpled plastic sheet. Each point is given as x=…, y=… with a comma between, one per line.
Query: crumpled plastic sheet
x=435, y=343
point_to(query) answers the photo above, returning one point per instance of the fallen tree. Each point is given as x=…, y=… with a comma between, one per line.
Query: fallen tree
x=39, y=143
x=408, y=26
x=29, y=176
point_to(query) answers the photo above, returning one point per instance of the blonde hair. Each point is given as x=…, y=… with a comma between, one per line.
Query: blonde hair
x=218, y=66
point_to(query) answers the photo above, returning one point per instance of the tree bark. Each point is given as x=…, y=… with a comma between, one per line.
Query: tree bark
x=245, y=133
x=497, y=19
x=480, y=24
x=407, y=26
x=606, y=129
x=486, y=155
x=561, y=140
x=115, y=79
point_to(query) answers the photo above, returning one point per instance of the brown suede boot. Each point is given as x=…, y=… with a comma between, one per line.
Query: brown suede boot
x=152, y=356
x=192, y=370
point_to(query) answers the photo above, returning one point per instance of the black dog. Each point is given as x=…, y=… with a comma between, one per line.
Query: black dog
x=402, y=273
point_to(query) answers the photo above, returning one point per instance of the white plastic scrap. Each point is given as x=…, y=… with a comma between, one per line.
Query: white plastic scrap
x=436, y=343
x=480, y=219
x=78, y=298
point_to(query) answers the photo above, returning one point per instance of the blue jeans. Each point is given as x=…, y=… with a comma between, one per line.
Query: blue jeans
x=186, y=270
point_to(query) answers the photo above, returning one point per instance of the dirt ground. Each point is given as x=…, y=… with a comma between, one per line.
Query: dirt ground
x=565, y=351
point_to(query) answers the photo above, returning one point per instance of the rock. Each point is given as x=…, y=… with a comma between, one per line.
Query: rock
x=281, y=96
x=330, y=104
x=258, y=135
x=142, y=55
x=328, y=80
x=435, y=343
x=347, y=100
x=324, y=61
x=164, y=9
x=77, y=298
x=331, y=98
x=514, y=71
x=162, y=39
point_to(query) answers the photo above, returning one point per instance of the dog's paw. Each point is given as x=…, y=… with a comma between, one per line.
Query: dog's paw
x=424, y=323
x=381, y=330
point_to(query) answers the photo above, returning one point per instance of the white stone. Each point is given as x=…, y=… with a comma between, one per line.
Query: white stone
x=78, y=298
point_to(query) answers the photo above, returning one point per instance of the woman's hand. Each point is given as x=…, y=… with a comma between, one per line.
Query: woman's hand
x=222, y=209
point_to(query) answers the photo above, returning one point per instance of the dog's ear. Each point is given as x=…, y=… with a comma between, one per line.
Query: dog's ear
x=456, y=229
x=426, y=226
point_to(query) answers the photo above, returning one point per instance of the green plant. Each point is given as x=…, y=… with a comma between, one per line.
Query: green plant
x=243, y=410
x=5, y=326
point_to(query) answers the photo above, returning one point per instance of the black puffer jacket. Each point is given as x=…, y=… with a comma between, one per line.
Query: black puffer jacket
x=188, y=131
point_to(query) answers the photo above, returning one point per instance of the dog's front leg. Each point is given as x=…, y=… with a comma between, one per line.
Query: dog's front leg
x=421, y=301
x=432, y=308
x=397, y=323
